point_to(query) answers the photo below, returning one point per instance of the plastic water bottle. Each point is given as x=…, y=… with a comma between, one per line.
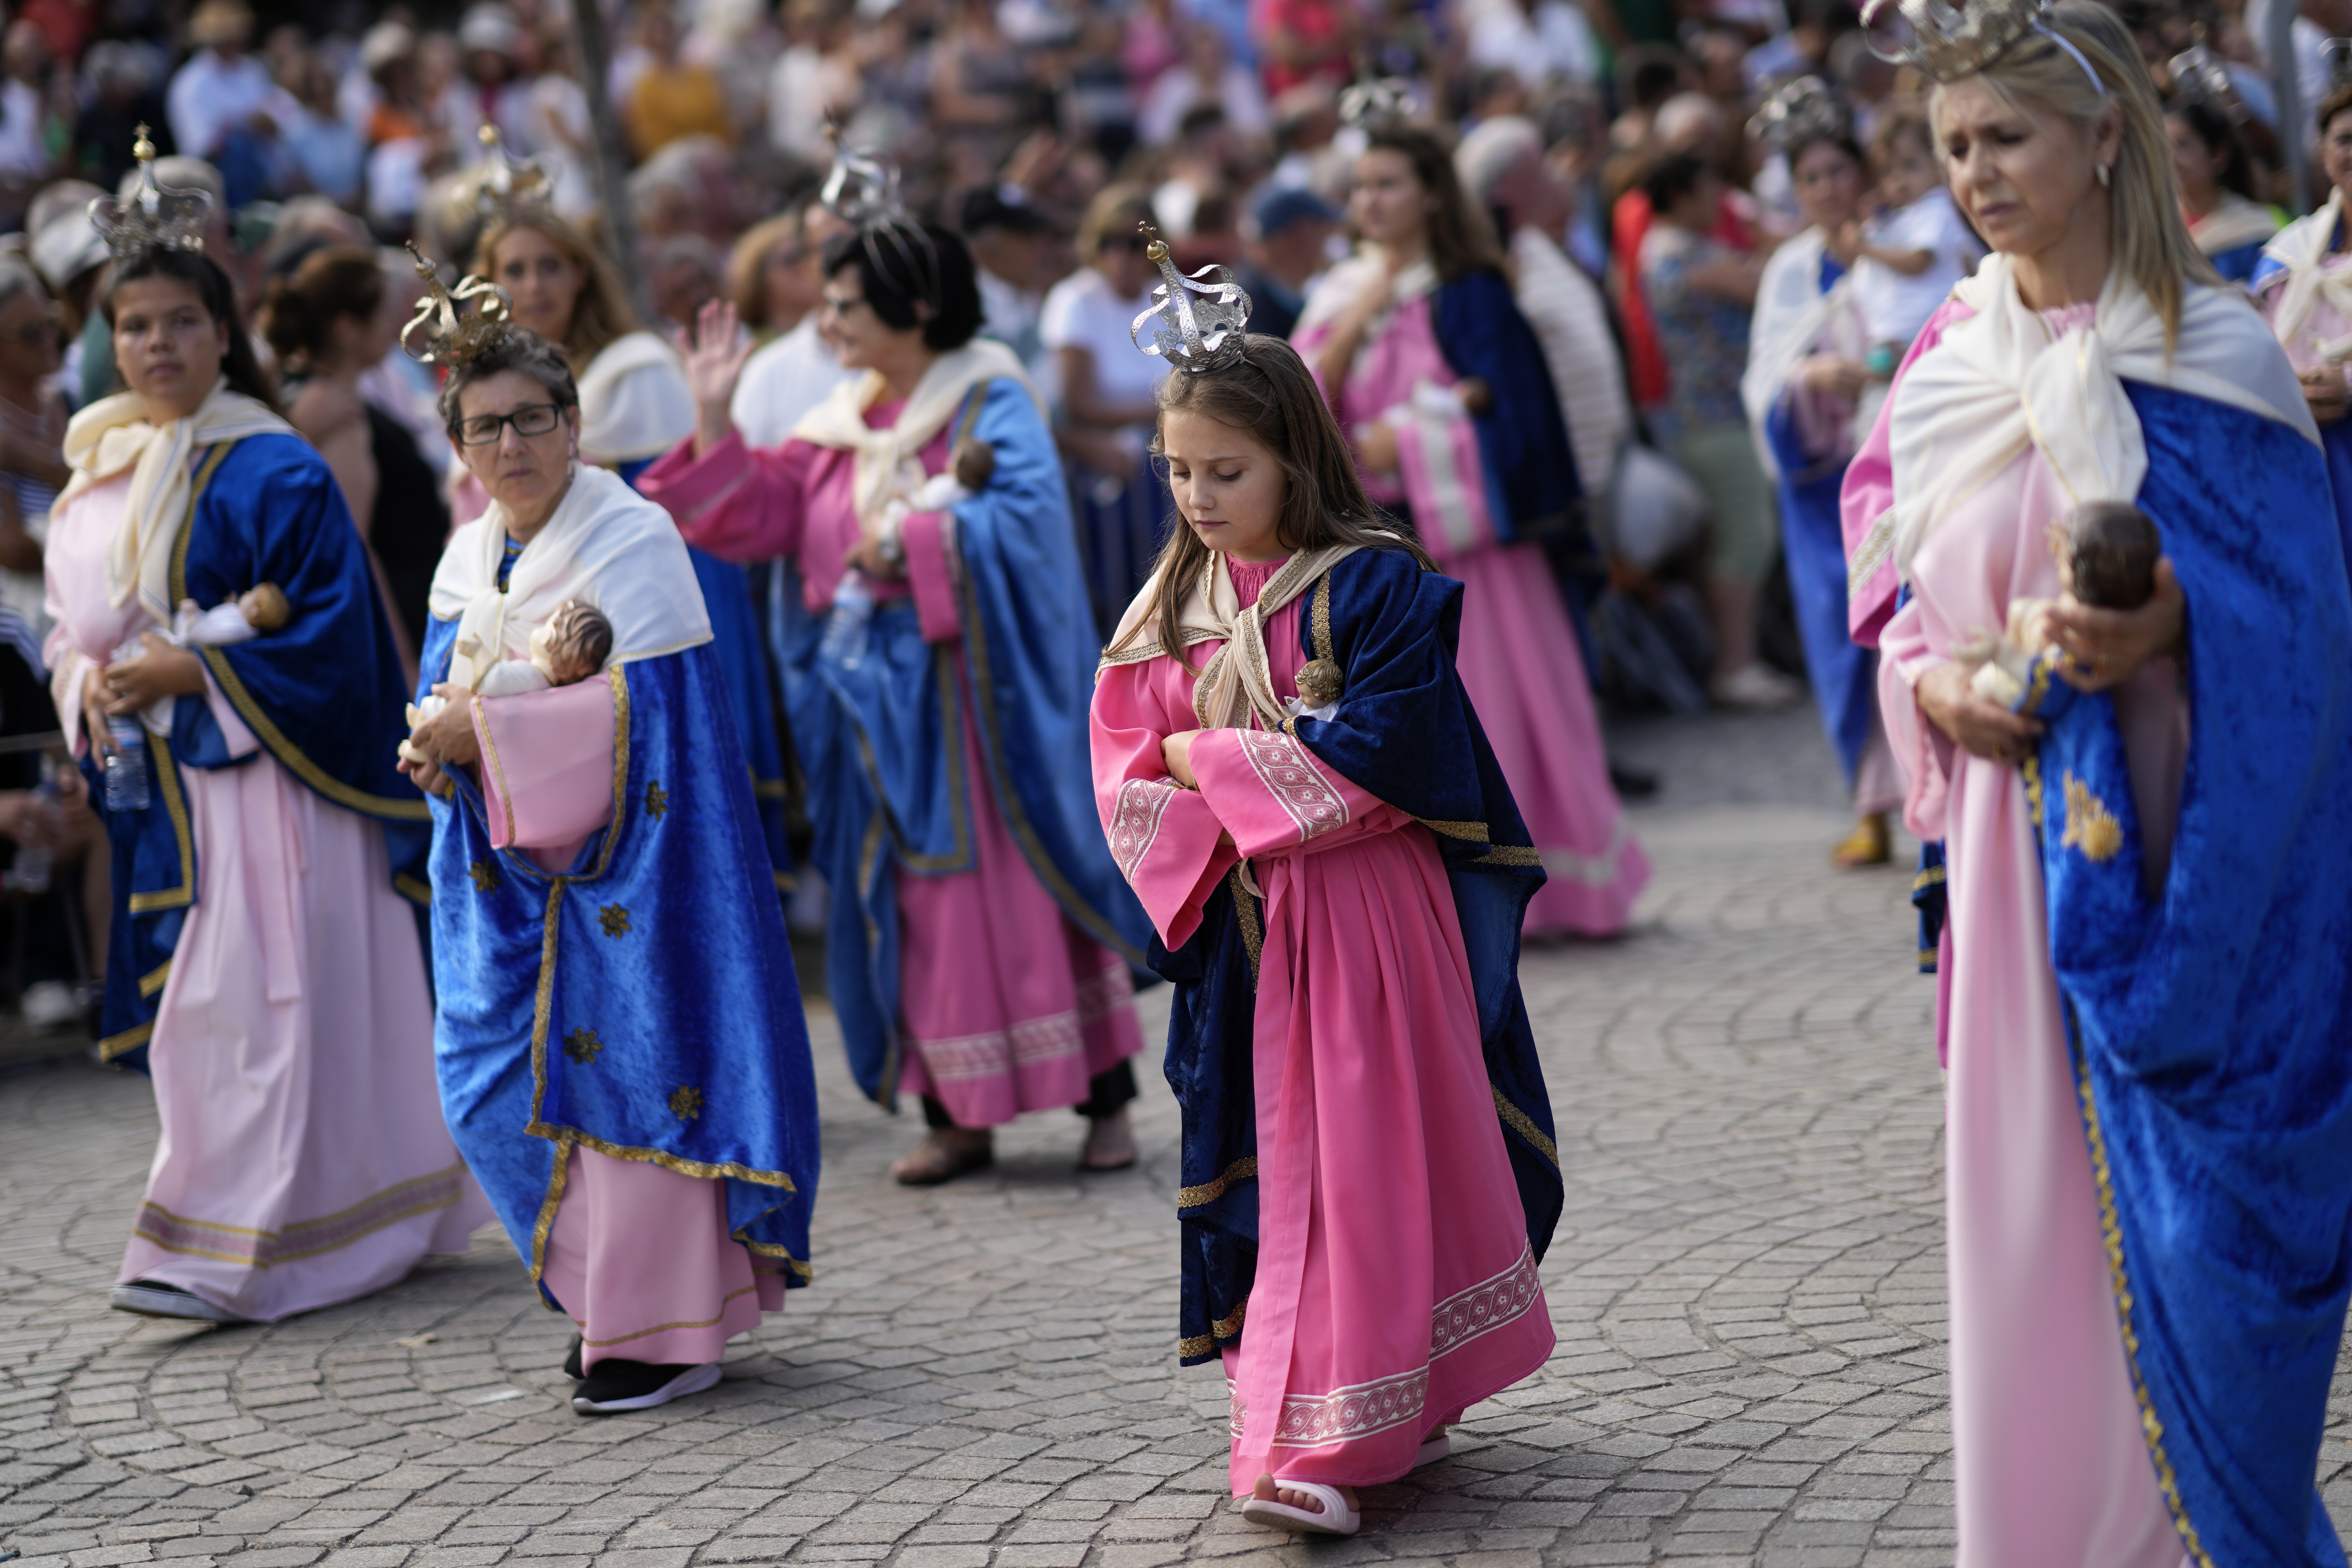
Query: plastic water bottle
x=853, y=609
x=127, y=787
x=30, y=872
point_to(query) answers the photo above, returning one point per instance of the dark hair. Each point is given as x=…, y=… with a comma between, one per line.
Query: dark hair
x=2222, y=139
x=1461, y=240
x=1272, y=395
x=1893, y=129
x=331, y=282
x=902, y=264
x=240, y=366
x=517, y=349
x=2338, y=99
x=1822, y=136
x=1671, y=178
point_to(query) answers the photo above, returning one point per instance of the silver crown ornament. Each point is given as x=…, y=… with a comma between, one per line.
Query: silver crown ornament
x=1198, y=323
x=154, y=215
x=1369, y=102
x=861, y=188
x=1800, y=111
x=1947, y=42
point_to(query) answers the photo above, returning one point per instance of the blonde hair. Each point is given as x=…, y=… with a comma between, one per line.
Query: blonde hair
x=601, y=312
x=2150, y=241
x=1112, y=215
x=747, y=265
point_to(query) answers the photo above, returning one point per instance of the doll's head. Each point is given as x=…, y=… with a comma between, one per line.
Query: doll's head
x=574, y=643
x=265, y=608
x=2109, y=554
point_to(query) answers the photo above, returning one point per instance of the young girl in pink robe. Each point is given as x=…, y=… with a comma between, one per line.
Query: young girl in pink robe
x=1358, y=1248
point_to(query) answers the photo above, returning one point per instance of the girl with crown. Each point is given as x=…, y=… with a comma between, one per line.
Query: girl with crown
x=622, y=1051
x=265, y=966
x=980, y=938
x=2302, y=285
x=1293, y=779
x=634, y=404
x=1812, y=398
x=1431, y=367
x=2145, y=998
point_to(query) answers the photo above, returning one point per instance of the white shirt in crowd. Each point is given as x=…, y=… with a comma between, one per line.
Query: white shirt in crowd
x=22, y=154
x=1554, y=42
x=782, y=381
x=1082, y=312
x=1893, y=307
x=1180, y=88
x=212, y=97
x=1571, y=321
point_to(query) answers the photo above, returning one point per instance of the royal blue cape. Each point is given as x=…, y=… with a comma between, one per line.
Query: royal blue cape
x=1404, y=731
x=643, y=1005
x=323, y=695
x=879, y=727
x=2209, y=1023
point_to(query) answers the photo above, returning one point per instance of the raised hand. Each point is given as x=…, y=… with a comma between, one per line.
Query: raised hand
x=714, y=352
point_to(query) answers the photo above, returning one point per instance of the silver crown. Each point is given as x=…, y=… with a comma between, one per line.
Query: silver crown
x=1198, y=323
x=862, y=187
x=505, y=186
x=2338, y=53
x=1367, y=102
x=1800, y=111
x=1947, y=42
x=154, y=215
x=2200, y=76
x=450, y=337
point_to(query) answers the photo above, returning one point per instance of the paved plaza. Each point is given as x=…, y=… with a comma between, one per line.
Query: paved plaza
x=1748, y=1287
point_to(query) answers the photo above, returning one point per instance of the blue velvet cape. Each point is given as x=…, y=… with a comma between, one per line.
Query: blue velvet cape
x=881, y=739
x=1531, y=480
x=1404, y=731
x=323, y=695
x=2209, y=1024
x=642, y=1004
x=737, y=641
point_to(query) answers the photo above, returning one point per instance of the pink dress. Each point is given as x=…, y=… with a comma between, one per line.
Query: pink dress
x=1518, y=657
x=303, y=1159
x=1005, y=1005
x=639, y=1257
x=1395, y=1287
x=2052, y=1467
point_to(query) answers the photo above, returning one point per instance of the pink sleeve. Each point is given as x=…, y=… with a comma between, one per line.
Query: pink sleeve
x=238, y=738
x=739, y=503
x=1272, y=795
x=547, y=764
x=1164, y=837
x=1924, y=752
x=929, y=541
x=1869, y=493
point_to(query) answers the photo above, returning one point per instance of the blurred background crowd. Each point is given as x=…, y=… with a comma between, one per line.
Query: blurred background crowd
x=1627, y=153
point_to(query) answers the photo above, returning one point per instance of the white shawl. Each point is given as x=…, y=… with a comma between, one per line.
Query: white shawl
x=2302, y=248
x=1792, y=315
x=2001, y=381
x=635, y=401
x=889, y=461
x=606, y=543
x=112, y=435
x=1337, y=289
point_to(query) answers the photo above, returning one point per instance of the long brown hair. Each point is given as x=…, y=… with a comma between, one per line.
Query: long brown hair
x=1271, y=395
x=601, y=312
x=1461, y=240
x=334, y=281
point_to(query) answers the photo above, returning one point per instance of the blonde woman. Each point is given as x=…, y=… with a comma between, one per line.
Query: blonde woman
x=2148, y=1137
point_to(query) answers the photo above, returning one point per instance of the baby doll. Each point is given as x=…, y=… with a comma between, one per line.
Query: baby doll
x=570, y=647
x=250, y=614
x=2106, y=558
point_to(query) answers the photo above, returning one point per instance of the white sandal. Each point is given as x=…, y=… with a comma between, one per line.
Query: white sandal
x=1436, y=1449
x=1336, y=1517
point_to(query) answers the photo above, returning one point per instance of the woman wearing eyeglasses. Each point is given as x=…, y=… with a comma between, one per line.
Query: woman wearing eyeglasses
x=622, y=1052
x=634, y=404
x=982, y=935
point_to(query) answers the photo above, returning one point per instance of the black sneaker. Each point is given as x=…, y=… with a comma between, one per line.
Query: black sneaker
x=572, y=1361
x=617, y=1385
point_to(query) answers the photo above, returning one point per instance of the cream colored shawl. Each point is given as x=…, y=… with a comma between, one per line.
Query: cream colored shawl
x=2002, y=380
x=889, y=461
x=113, y=435
x=1237, y=688
x=2302, y=249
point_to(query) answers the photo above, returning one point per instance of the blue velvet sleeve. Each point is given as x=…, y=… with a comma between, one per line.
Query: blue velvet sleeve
x=1523, y=437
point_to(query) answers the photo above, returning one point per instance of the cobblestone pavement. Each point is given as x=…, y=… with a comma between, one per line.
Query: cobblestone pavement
x=1747, y=1288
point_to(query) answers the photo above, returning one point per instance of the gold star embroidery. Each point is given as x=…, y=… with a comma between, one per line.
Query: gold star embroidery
x=582, y=1045
x=657, y=799
x=686, y=1104
x=2090, y=826
x=486, y=876
x=615, y=918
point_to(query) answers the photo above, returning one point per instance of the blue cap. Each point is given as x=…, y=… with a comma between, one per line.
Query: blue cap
x=1278, y=210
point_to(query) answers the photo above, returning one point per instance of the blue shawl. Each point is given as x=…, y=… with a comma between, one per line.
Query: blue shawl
x=1405, y=731
x=323, y=695
x=879, y=728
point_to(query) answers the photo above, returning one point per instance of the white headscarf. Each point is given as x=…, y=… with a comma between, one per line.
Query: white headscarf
x=2002, y=380
x=112, y=435
x=606, y=543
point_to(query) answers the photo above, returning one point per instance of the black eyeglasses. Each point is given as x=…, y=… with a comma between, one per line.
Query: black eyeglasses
x=531, y=419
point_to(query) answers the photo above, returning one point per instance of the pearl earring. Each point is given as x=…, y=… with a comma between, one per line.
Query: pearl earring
x=2103, y=176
